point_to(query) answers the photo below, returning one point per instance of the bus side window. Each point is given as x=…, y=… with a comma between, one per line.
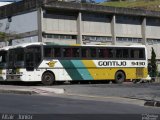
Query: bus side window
x=103, y=53
x=135, y=53
x=141, y=53
x=119, y=53
x=122, y=53
x=67, y=52
x=93, y=52
x=106, y=53
x=85, y=52
x=76, y=52
x=132, y=52
x=112, y=53
x=48, y=52
x=57, y=52
x=125, y=53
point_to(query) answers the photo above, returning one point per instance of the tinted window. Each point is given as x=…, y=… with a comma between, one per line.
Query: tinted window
x=50, y=52
x=76, y=52
x=71, y=52
x=85, y=52
x=33, y=56
x=122, y=53
x=19, y=54
x=57, y=52
x=93, y=52
x=103, y=53
x=67, y=52
x=137, y=53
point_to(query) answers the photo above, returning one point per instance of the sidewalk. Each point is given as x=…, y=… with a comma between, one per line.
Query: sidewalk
x=29, y=90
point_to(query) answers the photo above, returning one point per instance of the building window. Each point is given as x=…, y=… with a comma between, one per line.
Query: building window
x=124, y=19
x=126, y=39
x=97, y=38
x=96, y=17
x=60, y=36
x=153, y=41
x=153, y=22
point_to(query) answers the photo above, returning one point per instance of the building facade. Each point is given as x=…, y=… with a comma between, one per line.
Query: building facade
x=76, y=23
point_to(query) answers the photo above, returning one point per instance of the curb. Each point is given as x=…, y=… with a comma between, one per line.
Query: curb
x=26, y=92
x=42, y=90
x=33, y=91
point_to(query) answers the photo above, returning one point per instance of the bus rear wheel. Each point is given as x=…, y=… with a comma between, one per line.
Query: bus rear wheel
x=48, y=78
x=120, y=77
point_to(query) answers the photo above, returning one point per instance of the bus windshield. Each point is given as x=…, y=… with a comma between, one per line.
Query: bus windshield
x=3, y=59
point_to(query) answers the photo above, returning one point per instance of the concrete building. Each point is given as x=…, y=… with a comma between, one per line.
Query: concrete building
x=71, y=23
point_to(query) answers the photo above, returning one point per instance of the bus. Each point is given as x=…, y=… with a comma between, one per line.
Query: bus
x=49, y=63
x=3, y=62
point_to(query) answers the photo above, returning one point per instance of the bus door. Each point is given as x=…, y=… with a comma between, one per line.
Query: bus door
x=32, y=61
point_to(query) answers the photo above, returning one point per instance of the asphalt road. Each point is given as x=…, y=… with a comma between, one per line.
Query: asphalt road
x=35, y=104
x=81, y=101
x=144, y=91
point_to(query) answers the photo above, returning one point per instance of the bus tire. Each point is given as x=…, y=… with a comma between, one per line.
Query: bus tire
x=48, y=78
x=120, y=77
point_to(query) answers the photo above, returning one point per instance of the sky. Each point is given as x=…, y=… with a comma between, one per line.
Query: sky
x=100, y=0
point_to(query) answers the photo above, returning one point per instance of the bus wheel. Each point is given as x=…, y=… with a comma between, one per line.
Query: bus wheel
x=48, y=78
x=120, y=77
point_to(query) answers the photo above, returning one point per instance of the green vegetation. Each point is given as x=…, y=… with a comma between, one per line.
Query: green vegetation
x=8, y=36
x=3, y=35
x=153, y=66
x=142, y=4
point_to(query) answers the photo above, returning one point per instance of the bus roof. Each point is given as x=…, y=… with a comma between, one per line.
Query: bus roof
x=5, y=48
x=53, y=44
x=98, y=45
x=23, y=45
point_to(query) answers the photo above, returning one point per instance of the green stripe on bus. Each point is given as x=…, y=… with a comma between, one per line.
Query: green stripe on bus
x=71, y=69
x=83, y=71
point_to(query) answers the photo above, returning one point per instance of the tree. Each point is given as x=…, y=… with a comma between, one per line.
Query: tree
x=2, y=35
x=8, y=37
x=153, y=65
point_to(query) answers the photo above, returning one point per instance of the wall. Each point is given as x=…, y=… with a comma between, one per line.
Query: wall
x=21, y=23
x=96, y=24
x=59, y=23
x=25, y=26
x=25, y=40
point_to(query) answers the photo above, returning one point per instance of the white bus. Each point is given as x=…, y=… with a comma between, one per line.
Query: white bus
x=3, y=62
x=49, y=63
